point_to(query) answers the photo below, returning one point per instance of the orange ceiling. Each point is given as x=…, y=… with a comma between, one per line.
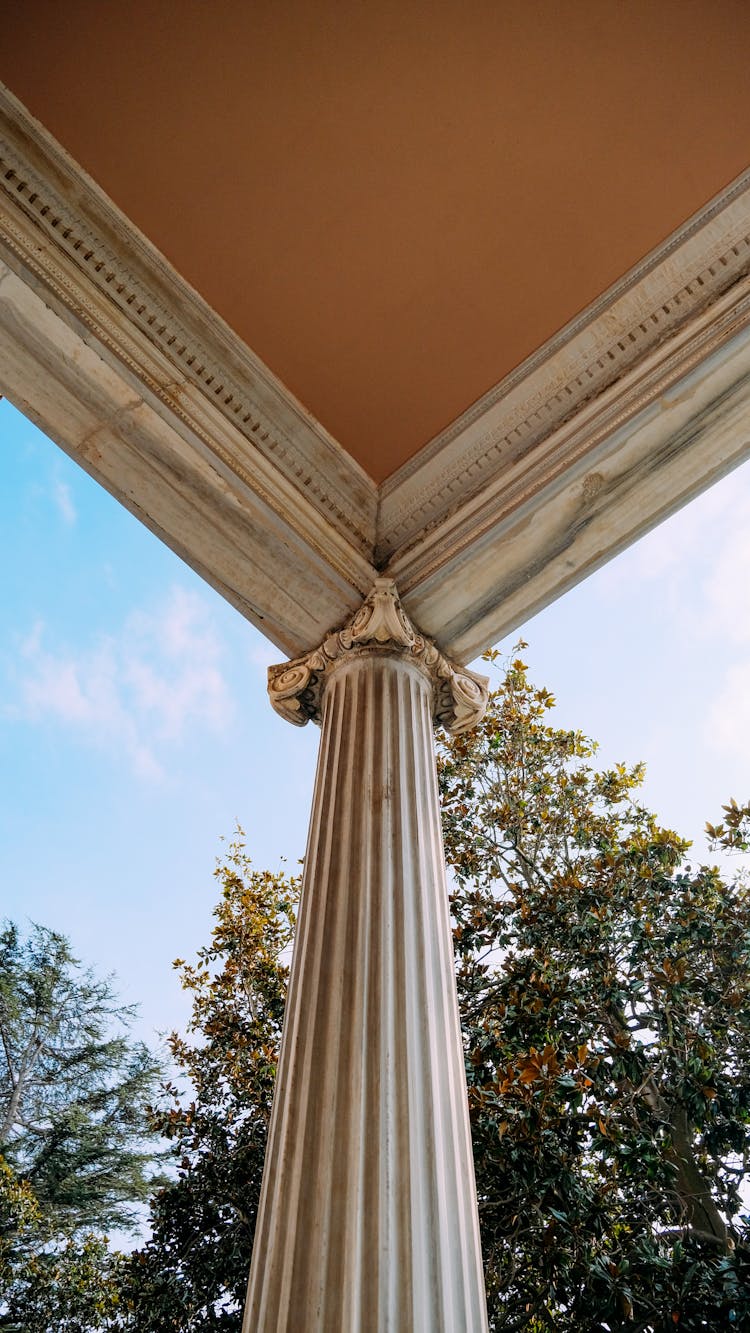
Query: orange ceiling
x=393, y=202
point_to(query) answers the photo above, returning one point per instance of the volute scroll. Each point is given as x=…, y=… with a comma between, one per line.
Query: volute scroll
x=380, y=625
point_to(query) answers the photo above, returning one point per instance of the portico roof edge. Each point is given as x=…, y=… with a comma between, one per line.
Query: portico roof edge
x=639, y=404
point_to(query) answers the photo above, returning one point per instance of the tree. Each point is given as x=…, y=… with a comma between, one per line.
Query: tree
x=20, y=1216
x=76, y=1148
x=605, y=994
x=73, y=1089
x=192, y=1274
x=49, y=1286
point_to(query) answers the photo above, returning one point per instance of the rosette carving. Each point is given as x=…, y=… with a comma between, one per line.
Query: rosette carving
x=379, y=626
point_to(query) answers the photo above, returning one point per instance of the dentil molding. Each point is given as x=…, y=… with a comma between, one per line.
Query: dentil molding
x=667, y=293
x=80, y=245
x=629, y=411
x=127, y=368
x=380, y=626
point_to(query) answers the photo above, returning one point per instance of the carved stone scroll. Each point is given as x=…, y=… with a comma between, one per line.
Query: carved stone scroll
x=380, y=625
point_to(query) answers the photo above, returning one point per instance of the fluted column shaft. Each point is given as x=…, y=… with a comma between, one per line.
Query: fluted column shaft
x=368, y=1216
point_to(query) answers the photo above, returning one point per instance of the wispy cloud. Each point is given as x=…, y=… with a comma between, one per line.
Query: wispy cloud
x=135, y=691
x=263, y=655
x=725, y=592
x=697, y=568
x=718, y=610
x=63, y=498
x=727, y=723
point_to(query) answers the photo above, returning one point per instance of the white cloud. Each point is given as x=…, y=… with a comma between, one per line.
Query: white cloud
x=265, y=654
x=64, y=502
x=678, y=552
x=716, y=605
x=135, y=691
x=32, y=642
x=727, y=725
x=695, y=568
x=726, y=589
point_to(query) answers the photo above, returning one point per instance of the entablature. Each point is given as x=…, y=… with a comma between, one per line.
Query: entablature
x=629, y=411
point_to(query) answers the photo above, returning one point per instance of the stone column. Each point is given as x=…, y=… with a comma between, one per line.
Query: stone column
x=368, y=1214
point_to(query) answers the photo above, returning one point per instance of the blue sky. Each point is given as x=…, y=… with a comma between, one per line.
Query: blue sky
x=135, y=730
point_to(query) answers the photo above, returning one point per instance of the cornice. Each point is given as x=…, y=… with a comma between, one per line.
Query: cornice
x=553, y=529
x=575, y=445
x=93, y=264
x=626, y=413
x=640, y=336
x=282, y=573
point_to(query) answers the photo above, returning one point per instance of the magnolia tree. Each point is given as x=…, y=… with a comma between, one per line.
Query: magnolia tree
x=604, y=988
x=192, y=1275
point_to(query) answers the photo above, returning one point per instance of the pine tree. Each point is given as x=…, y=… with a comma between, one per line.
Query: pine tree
x=73, y=1086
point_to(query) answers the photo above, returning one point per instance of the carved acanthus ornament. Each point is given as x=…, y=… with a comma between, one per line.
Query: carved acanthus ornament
x=380, y=626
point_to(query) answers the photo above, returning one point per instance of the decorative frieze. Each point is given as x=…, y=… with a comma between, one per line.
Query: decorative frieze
x=55, y=220
x=596, y=356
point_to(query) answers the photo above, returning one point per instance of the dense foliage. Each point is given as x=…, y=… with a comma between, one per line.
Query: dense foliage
x=50, y=1282
x=74, y=1087
x=77, y=1153
x=192, y=1274
x=605, y=996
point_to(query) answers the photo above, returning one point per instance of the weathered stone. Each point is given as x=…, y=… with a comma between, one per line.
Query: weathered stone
x=368, y=1217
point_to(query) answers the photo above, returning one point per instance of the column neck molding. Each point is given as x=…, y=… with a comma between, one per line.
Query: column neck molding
x=380, y=627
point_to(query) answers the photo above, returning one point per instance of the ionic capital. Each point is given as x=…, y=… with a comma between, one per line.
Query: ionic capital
x=380, y=626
